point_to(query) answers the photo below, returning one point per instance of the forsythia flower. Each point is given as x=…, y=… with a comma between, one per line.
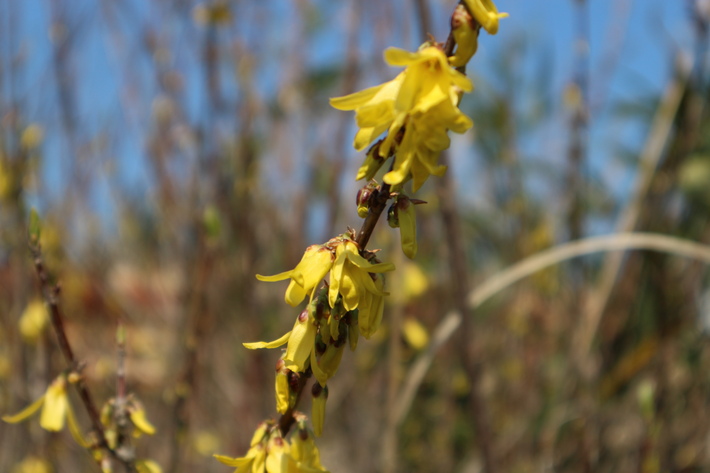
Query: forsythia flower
x=33, y=321
x=300, y=340
x=417, y=108
x=305, y=277
x=351, y=276
x=271, y=453
x=55, y=411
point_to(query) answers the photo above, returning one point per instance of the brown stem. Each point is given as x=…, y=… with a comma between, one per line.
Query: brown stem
x=50, y=293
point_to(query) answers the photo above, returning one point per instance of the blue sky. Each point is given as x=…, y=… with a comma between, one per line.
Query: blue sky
x=644, y=48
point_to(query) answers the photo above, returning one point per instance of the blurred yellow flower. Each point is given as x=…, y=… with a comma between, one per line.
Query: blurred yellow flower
x=33, y=321
x=148, y=466
x=55, y=411
x=32, y=465
x=415, y=334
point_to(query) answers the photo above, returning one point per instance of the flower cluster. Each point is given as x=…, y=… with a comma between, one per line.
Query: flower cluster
x=270, y=452
x=56, y=410
x=351, y=304
x=416, y=108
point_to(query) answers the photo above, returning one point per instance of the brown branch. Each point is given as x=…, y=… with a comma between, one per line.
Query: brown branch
x=50, y=292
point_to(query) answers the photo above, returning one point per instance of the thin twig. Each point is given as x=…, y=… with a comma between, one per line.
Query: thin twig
x=50, y=293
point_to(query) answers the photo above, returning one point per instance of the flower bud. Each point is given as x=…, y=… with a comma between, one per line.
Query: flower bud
x=320, y=396
x=407, y=226
x=466, y=36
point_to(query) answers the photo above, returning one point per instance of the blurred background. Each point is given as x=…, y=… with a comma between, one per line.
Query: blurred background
x=176, y=148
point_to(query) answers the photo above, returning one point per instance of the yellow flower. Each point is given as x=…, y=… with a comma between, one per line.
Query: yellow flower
x=300, y=340
x=351, y=276
x=148, y=466
x=305, y=277
x=305, y=452
x=374, y=110
x=417, y=109
x=33, y=321
x=271, y=453
x=55, y=411
x=486, y=13
x=255, y=459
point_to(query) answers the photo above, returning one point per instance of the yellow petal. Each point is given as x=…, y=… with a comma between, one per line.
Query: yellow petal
x=300, y=343
x=367, y=135
x=229, y=461
x=401, y=57
x=336, y=274
x=415, y=334
x=358, y=99
x=295, y=293
x=141, y=422
x=283, y=392
x=320, y=375
x=275, y=277
x=148, y=466
x=24, y=413
x=54, y=410
x=349, y=288
x=259, y=434
x=330, y=360
x=275, y=344
x=74, y=428
x=33, y=320
x=361, y=263
x=313, y=267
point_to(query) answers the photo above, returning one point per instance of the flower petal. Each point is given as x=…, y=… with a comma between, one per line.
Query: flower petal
x=275, y=277
x=24, y=413
x=275, y=344
x=358, y=99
